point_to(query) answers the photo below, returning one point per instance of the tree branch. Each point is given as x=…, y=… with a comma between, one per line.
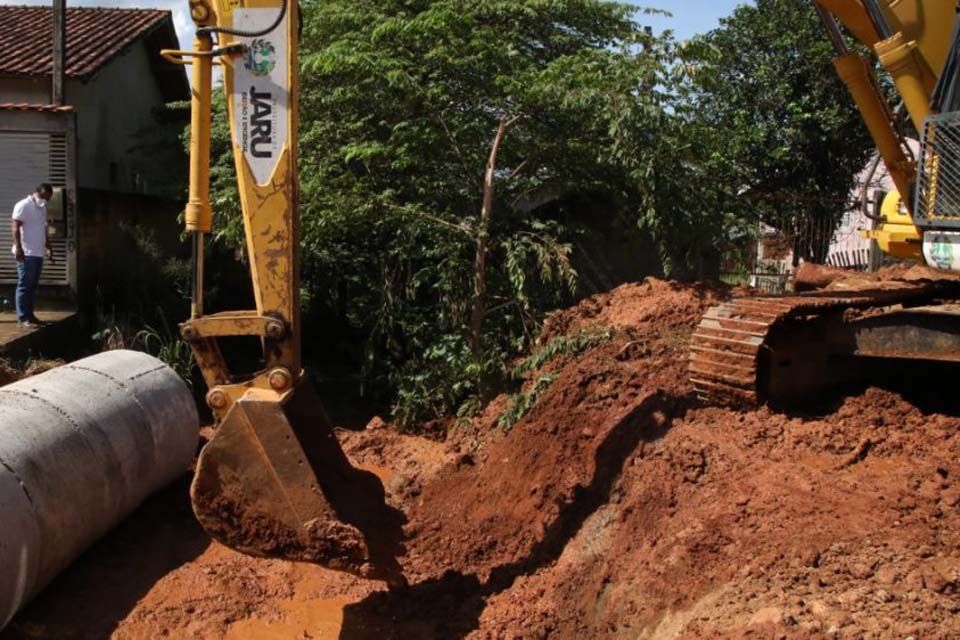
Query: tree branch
x=513, y=174
x=456, y=227
x=479, y=311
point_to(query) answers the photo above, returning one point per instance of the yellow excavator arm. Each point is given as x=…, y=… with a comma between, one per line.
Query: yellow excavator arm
x=911, y=40
x=256, y=49
x=273, y=480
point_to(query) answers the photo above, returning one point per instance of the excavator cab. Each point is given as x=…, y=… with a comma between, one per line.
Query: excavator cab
x=273, y=480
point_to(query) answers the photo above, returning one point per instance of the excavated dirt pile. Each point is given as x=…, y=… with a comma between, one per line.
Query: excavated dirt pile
x=616, y=506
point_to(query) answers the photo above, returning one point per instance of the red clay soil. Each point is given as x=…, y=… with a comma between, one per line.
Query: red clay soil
x=809, y=277
x=617, y=507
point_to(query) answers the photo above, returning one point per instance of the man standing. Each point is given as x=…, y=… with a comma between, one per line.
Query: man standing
x=30, y=245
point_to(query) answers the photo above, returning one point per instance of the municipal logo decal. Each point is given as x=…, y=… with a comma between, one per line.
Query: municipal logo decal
x=261, y=57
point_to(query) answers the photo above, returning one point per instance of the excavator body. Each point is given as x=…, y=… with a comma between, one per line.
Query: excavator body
x=272, y=480
x=787, y=348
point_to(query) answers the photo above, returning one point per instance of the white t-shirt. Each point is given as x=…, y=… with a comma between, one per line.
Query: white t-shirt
x=32, y=212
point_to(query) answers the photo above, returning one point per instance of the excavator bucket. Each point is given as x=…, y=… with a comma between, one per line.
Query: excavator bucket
x=274, y=482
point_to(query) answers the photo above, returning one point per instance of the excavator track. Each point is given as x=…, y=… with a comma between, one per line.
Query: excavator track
x=727, y=349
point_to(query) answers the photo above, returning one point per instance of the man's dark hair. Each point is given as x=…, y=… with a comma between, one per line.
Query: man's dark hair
x=44, y=187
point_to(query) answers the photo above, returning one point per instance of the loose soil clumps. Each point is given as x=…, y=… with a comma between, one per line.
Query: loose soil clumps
x=616, y=506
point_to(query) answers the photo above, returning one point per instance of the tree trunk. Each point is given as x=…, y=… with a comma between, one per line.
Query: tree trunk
x=479, y=310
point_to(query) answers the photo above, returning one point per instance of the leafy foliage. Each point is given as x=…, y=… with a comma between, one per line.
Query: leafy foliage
x=791, y=139
x=563, y=346
x=521, y=403
x=399, y=104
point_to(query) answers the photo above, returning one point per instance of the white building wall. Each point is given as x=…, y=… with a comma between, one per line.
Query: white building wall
x=847, y=247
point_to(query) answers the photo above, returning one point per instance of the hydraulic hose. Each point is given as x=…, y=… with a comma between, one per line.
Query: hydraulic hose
x=880, y=23
x=248, y=34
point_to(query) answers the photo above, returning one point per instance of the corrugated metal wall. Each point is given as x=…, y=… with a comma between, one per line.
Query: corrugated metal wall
x=27, y=159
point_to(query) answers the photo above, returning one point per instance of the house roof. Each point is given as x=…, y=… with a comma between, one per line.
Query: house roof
x=95, y=36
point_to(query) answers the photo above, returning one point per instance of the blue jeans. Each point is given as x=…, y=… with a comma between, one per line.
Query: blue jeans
x=28, y=277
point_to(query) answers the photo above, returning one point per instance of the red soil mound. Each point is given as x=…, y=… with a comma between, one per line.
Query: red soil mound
x=809, y=277
x=757, y=522
x=616, y=507
x=506, y=500
x=654, y=306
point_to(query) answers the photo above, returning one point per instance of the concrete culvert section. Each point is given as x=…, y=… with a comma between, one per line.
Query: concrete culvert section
x=81, y=446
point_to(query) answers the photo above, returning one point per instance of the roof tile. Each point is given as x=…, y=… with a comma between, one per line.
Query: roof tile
x=94, y=36
x=23, y=106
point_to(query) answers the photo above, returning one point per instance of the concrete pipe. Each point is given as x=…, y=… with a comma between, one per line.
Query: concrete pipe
x=81, y=446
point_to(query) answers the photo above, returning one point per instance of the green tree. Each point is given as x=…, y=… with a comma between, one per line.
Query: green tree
x=791, y=139
x=400, y=103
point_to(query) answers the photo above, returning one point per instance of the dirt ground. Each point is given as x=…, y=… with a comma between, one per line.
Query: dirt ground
x=617, y=507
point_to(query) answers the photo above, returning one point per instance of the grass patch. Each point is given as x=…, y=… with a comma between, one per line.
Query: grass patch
x=563, y=346
x=568, y=346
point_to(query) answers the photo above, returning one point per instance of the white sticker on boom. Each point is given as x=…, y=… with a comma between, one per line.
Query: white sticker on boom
x=941, y=250
x=260, y=91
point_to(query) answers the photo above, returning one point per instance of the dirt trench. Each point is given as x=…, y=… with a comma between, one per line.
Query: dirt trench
x=616, y=507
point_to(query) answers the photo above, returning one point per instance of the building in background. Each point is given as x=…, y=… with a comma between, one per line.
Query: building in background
x=847, y=248
x=103, y=147
x=775, y=259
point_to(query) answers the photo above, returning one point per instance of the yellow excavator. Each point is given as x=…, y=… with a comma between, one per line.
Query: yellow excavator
x=272, y=480
x=787, y=348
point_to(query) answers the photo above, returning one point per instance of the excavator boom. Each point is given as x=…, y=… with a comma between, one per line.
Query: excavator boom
x=272, y=480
